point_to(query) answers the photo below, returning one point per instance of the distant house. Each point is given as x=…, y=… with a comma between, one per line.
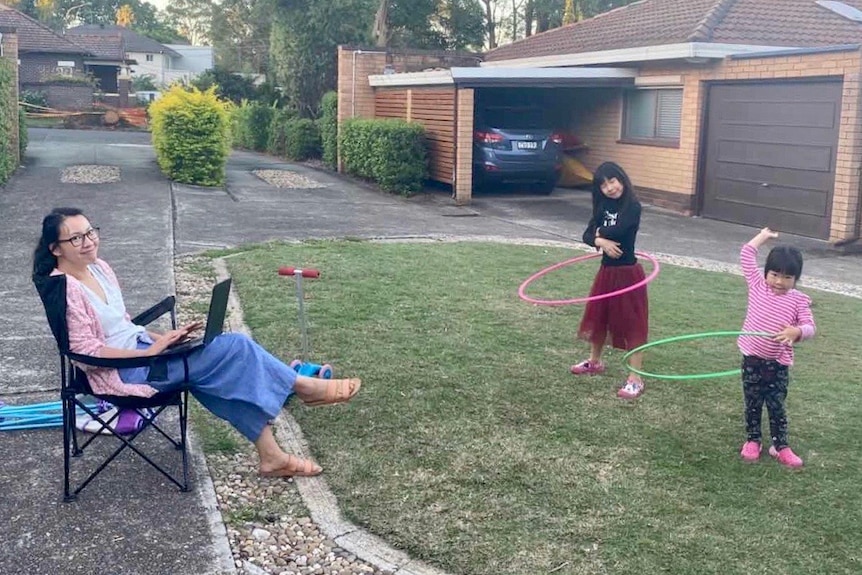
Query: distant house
x=164, y=63
x=107, y=60
x=43, y=53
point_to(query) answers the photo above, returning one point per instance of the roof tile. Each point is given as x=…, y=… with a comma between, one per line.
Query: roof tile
x=799, y=23
x=33, y=36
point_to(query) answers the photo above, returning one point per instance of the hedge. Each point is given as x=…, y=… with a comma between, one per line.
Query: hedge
x=390, y=152
x=23, y=135
x=250, y=126
x=191, y=135
x=280, y=118
x=329, y=128
x=8, y=115
x=301, y=140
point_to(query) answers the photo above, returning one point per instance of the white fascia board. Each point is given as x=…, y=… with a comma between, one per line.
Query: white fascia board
x=640, y=54
x=516, y=73
x=431, y=78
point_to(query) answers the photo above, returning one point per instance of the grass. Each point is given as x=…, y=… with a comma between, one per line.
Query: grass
x=471, y=447
x=44, y=122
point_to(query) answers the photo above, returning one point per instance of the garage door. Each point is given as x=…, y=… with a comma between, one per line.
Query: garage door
x=770, y=155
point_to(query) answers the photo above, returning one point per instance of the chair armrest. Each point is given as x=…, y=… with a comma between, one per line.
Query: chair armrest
x=114, y=362
x=147, y=317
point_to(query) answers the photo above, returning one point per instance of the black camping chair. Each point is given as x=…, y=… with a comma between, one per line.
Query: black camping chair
x=74, y=384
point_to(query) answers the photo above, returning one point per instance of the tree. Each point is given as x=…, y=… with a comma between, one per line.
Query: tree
x=125, y=16
x=569, y=13
x=240, y=32
x=303, y=45
x=191, y=18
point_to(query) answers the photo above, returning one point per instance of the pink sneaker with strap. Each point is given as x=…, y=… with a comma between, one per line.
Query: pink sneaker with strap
x=750, y=451
x=588, y=367
x=631, y=389
x=786, y=457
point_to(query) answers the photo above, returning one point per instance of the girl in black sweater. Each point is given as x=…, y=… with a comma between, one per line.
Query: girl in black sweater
x=613, y=229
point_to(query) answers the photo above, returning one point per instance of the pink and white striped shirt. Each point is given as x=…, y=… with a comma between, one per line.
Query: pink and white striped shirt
x=770, y=312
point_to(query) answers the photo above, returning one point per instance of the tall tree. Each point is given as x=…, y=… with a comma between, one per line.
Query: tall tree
x=303, y=46
x=192, y=19
x=240, y=33
x=125, y=16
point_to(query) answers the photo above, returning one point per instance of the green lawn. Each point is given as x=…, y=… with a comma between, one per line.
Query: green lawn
x=473, y=448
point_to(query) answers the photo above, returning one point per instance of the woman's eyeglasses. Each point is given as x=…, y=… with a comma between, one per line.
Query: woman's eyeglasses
x=92, y=234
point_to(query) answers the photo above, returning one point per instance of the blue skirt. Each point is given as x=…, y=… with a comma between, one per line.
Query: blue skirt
x=233, y=377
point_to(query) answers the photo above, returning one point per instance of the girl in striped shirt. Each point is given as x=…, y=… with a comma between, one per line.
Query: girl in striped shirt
x=774, y=306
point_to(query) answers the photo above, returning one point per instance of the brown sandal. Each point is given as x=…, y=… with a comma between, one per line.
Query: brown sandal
x=337, y=391
x=295, y=467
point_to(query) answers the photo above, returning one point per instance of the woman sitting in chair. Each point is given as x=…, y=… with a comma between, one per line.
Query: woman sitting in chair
x=233, y=377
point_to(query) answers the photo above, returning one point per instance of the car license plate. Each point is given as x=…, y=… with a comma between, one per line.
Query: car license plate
x=528, y=145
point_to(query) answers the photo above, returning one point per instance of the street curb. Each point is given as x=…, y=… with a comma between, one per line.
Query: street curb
x=321, y=502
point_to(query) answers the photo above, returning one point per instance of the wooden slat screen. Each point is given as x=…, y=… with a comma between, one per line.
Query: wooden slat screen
x=434, y=108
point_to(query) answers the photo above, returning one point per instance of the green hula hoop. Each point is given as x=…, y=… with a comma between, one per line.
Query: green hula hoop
x=684, y=338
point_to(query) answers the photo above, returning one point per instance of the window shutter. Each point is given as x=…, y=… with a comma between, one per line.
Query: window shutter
x=669, y=114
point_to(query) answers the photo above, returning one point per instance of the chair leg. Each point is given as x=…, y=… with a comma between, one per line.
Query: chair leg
x=68, y=434
x=184, y=444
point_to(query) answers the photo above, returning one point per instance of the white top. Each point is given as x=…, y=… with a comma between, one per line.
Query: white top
x=119, y=331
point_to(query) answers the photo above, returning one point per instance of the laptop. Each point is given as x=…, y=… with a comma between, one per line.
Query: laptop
x=215, y=320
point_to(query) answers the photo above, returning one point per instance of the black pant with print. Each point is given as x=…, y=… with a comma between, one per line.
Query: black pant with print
x=765, y=381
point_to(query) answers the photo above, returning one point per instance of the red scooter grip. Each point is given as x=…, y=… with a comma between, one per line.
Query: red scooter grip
x=287, y=271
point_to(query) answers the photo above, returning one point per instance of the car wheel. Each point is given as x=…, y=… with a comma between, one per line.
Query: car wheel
x=545, y=188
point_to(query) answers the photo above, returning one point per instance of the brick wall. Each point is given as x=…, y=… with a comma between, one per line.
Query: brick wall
x=463, y=188
x=668, y=177
x=70, y=97
x=36, y=67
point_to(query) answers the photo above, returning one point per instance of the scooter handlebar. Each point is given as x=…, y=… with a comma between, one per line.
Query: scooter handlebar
x=306, y=273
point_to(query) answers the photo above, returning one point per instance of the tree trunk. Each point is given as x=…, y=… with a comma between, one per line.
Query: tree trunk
x=490, y=25
x=528, y=18
x=381, y=25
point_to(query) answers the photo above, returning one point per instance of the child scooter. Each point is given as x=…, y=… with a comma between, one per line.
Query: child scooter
x=303, y=366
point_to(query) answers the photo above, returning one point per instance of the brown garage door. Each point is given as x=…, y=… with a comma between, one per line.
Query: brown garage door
x=770, y=156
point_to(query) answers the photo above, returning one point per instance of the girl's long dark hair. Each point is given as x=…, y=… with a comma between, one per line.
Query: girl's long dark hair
x=44, y=261
x=607, y=171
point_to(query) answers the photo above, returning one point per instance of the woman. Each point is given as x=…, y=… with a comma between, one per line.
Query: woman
x=233, y=377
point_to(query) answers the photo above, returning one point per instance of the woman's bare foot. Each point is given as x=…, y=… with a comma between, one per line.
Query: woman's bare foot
x=290, y=466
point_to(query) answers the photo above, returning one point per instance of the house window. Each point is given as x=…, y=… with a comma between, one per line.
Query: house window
x=652, y=116
x=149, y=57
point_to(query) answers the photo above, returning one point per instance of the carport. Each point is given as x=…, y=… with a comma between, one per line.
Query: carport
x=445, y=102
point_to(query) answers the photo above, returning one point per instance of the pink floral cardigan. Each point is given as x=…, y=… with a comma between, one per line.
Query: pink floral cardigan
x=87, y=338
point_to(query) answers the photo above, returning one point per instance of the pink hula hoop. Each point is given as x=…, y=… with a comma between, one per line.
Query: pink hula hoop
x=547, y=270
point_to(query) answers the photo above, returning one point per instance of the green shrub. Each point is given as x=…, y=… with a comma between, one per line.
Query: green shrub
x=250, y=126
x=301, y=140
x=191, y=135
x=34, y=97
x=390, y=152
x=23, y=135
x=329, y=128
x=8, y=115
x=280, y=118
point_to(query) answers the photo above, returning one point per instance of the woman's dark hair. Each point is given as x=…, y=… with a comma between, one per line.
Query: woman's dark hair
x=607, y=171
x=44, y=261
x=784, y=260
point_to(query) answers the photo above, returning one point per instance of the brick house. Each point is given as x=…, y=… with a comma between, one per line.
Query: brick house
x=42, y=53
x=739, y=110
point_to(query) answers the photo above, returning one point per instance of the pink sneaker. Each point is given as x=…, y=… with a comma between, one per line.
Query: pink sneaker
x=631, y=389
x=786, y=457
x=750, y=451
x=587, y=367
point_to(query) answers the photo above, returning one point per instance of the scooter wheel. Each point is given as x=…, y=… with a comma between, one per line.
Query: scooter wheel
x=325, y=371
x=295, y=364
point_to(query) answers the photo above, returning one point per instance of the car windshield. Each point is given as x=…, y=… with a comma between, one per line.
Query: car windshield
x=514, y=117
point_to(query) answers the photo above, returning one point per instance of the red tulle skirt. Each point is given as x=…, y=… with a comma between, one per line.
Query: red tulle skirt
x=624, y=317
